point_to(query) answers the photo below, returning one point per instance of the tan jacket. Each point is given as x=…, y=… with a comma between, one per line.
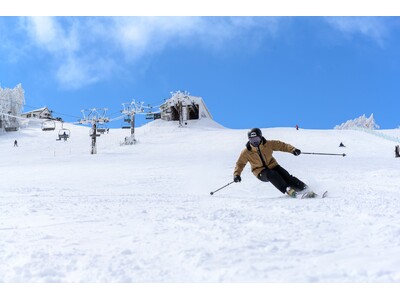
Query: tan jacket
x=250, y=154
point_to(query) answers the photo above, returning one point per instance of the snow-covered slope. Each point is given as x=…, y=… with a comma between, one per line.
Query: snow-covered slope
x=144, y=213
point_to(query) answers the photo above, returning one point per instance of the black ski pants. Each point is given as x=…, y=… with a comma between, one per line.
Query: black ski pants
x=281, y=179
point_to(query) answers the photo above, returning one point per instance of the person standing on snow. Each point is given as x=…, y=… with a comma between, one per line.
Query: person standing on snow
x=258, y=153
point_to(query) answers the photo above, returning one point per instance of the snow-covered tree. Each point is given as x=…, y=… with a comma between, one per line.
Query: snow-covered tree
x=361, y=122
x=11, y=104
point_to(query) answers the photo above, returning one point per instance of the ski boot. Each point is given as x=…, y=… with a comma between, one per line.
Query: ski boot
x=291, y=192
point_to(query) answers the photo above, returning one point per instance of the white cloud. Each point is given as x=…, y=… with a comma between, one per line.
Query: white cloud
x=48, y=33
x=147, y=35
x=372, y=27
x=76, y=72
x=87, y=50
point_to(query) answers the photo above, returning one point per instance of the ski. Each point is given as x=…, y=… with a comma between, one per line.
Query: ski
x=312, y=194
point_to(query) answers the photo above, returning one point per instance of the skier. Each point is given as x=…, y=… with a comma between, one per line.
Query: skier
x=297, y=127
x=341, y=145
x=397, y=151
x=258, y=153
x=15, y=143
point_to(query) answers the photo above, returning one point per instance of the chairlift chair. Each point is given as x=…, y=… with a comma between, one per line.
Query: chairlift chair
x=64, y=134
x=126, y=124
x=101, y=128
x=91, y=133
x=48, y=125
x=150, y=116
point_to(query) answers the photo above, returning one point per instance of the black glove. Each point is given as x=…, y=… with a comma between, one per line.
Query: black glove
x=237, y=178
x=296, y=152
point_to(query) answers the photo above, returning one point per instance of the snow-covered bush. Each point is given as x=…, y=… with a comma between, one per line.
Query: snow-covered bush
x=11, y=104
x=361, y=122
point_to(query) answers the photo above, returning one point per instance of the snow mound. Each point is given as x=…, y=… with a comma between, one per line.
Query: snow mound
x=203, y=124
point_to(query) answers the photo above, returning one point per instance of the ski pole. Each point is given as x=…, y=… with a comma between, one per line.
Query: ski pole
x=343, y=154
x=212, y=193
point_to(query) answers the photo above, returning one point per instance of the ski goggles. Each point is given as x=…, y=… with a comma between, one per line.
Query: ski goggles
x=255, y=141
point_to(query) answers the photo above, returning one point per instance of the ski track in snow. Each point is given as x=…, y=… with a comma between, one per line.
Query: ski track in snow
x=143, y=213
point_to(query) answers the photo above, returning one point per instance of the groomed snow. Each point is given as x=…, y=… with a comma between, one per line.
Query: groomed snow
x=144, y=213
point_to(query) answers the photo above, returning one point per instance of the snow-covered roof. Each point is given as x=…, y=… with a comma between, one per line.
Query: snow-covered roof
x=185, y=99
x=36, y=110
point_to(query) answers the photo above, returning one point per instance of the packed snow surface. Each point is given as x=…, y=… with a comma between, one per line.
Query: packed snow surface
x=144, y=213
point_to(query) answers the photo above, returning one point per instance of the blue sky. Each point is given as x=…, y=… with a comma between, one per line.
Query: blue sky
x=317, y=72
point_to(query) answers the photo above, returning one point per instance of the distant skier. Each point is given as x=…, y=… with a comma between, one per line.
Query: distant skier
x=15, y=143
x=397, y=151
x=297, y=127
x=341, y=145
x=258, y=153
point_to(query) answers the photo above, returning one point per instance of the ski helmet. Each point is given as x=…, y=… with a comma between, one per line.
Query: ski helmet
x=254, y=132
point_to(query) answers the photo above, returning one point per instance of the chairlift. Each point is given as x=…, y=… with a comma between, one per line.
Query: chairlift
x=102, y=128
x=150, y=116
x=91, y=133
x=126, y=124
x=64, y=134
x=48, y=125
x=8, y=129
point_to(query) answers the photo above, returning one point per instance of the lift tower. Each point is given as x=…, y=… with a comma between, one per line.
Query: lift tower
x=94, y=117
x=130, y=110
